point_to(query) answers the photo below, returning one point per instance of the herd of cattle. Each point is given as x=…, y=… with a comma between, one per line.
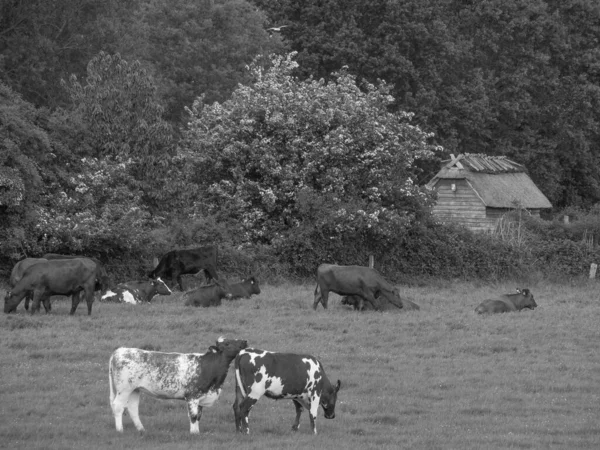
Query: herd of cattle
x=198, y=378
x=363, y=288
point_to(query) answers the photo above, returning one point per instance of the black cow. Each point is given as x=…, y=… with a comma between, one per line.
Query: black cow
x=522, y=299
x=365, y=282
x=357, y=301
x=102, y=280
x=196, y=378
x=136, y=292
x=59, y=277
x=245, y=288
x=210, y=295
x=17, y=273
x=180, y=262
x=300, y=378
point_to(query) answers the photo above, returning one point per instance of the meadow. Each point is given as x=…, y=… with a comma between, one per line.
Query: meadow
x=439, y=378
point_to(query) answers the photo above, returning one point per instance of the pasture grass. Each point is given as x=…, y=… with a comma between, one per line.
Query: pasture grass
x=439, y=378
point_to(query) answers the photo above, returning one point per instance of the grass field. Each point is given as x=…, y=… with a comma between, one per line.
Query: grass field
x=438, y=378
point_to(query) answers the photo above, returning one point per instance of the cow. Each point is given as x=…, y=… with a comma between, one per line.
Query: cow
x=136, y=292
x=356, y=301
x=522, y=299
x=102, y=280
x=196, y=378
x=300, y=378
x=180, y=262
x=17, y=273
x=245, y=288
x=365, y=282
x=210, y=295
x=59, y=277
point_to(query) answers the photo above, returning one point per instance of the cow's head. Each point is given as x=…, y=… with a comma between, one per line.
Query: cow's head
x=253, y=282
x=526, y=300
x=10, y=302
x=160, y=287
x=328, y=399
x=230, y=347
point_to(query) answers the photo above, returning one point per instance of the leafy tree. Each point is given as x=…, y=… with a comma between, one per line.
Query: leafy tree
x=197, y=47
x=284, y=155
x=122, y=123
x=25, y=147
x=42, y=41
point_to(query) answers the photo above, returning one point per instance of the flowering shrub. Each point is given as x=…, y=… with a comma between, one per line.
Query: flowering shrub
x=283, y=154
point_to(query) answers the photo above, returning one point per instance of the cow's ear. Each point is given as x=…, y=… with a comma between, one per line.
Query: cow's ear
x=338, y=386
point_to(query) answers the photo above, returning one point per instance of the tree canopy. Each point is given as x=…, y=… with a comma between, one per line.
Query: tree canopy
x=284, y=154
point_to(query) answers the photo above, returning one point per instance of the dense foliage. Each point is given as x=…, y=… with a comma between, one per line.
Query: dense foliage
x=280, y=148
x=300, y=160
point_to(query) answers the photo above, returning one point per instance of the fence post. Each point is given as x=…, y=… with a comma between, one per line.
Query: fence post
x=593, y=268
x=371, y=261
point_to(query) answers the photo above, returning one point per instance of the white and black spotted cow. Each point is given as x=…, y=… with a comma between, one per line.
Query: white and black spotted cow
x=196, y=378
x=136, y=292
x=300, y=378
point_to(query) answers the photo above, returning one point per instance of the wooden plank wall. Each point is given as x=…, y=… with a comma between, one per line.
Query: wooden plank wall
x=461, y=206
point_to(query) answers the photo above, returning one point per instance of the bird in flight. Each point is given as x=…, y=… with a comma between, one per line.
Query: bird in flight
x=277, y=29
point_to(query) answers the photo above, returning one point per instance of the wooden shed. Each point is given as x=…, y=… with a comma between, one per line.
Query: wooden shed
x=477, y=190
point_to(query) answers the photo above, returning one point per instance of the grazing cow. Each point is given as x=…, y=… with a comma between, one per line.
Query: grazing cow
x=300, y=378
x=196, y=378
x=205, y=296
x=59, y=277
x=245, y=288
x=17, y=273
x=365, y=282
x=102, y=280
x=356, y=301
x=180, y=262
x=522, y=299
x=136, y=292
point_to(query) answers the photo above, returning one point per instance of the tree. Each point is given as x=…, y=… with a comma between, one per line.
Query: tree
x=197, y=47
x=123, y=123
x=25, y=148
x=284, y=155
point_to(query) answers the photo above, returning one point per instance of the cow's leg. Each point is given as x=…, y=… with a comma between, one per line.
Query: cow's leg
x=28, y=298
x=37, y=298
x=210, y=274
x=133, y=408
x=46, y=302
x=245, y=407
x=312, y=412
x=321, y=295
x=299, y=410
x=372, y=300
x=194, y=413
x=118, y=405
x=89, y=298
x=74, y=302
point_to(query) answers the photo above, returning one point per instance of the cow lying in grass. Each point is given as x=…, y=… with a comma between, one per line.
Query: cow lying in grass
x=136, y=292
x=300, y=378
x=196, y=378
x=522, y=299
x=210, y=295
x=244, y=289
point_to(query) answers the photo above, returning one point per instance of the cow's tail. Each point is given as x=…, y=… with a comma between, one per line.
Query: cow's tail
x=111, y=382
x=238, y=376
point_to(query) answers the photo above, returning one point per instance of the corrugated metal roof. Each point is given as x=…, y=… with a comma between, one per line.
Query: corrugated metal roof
x=499, y=182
